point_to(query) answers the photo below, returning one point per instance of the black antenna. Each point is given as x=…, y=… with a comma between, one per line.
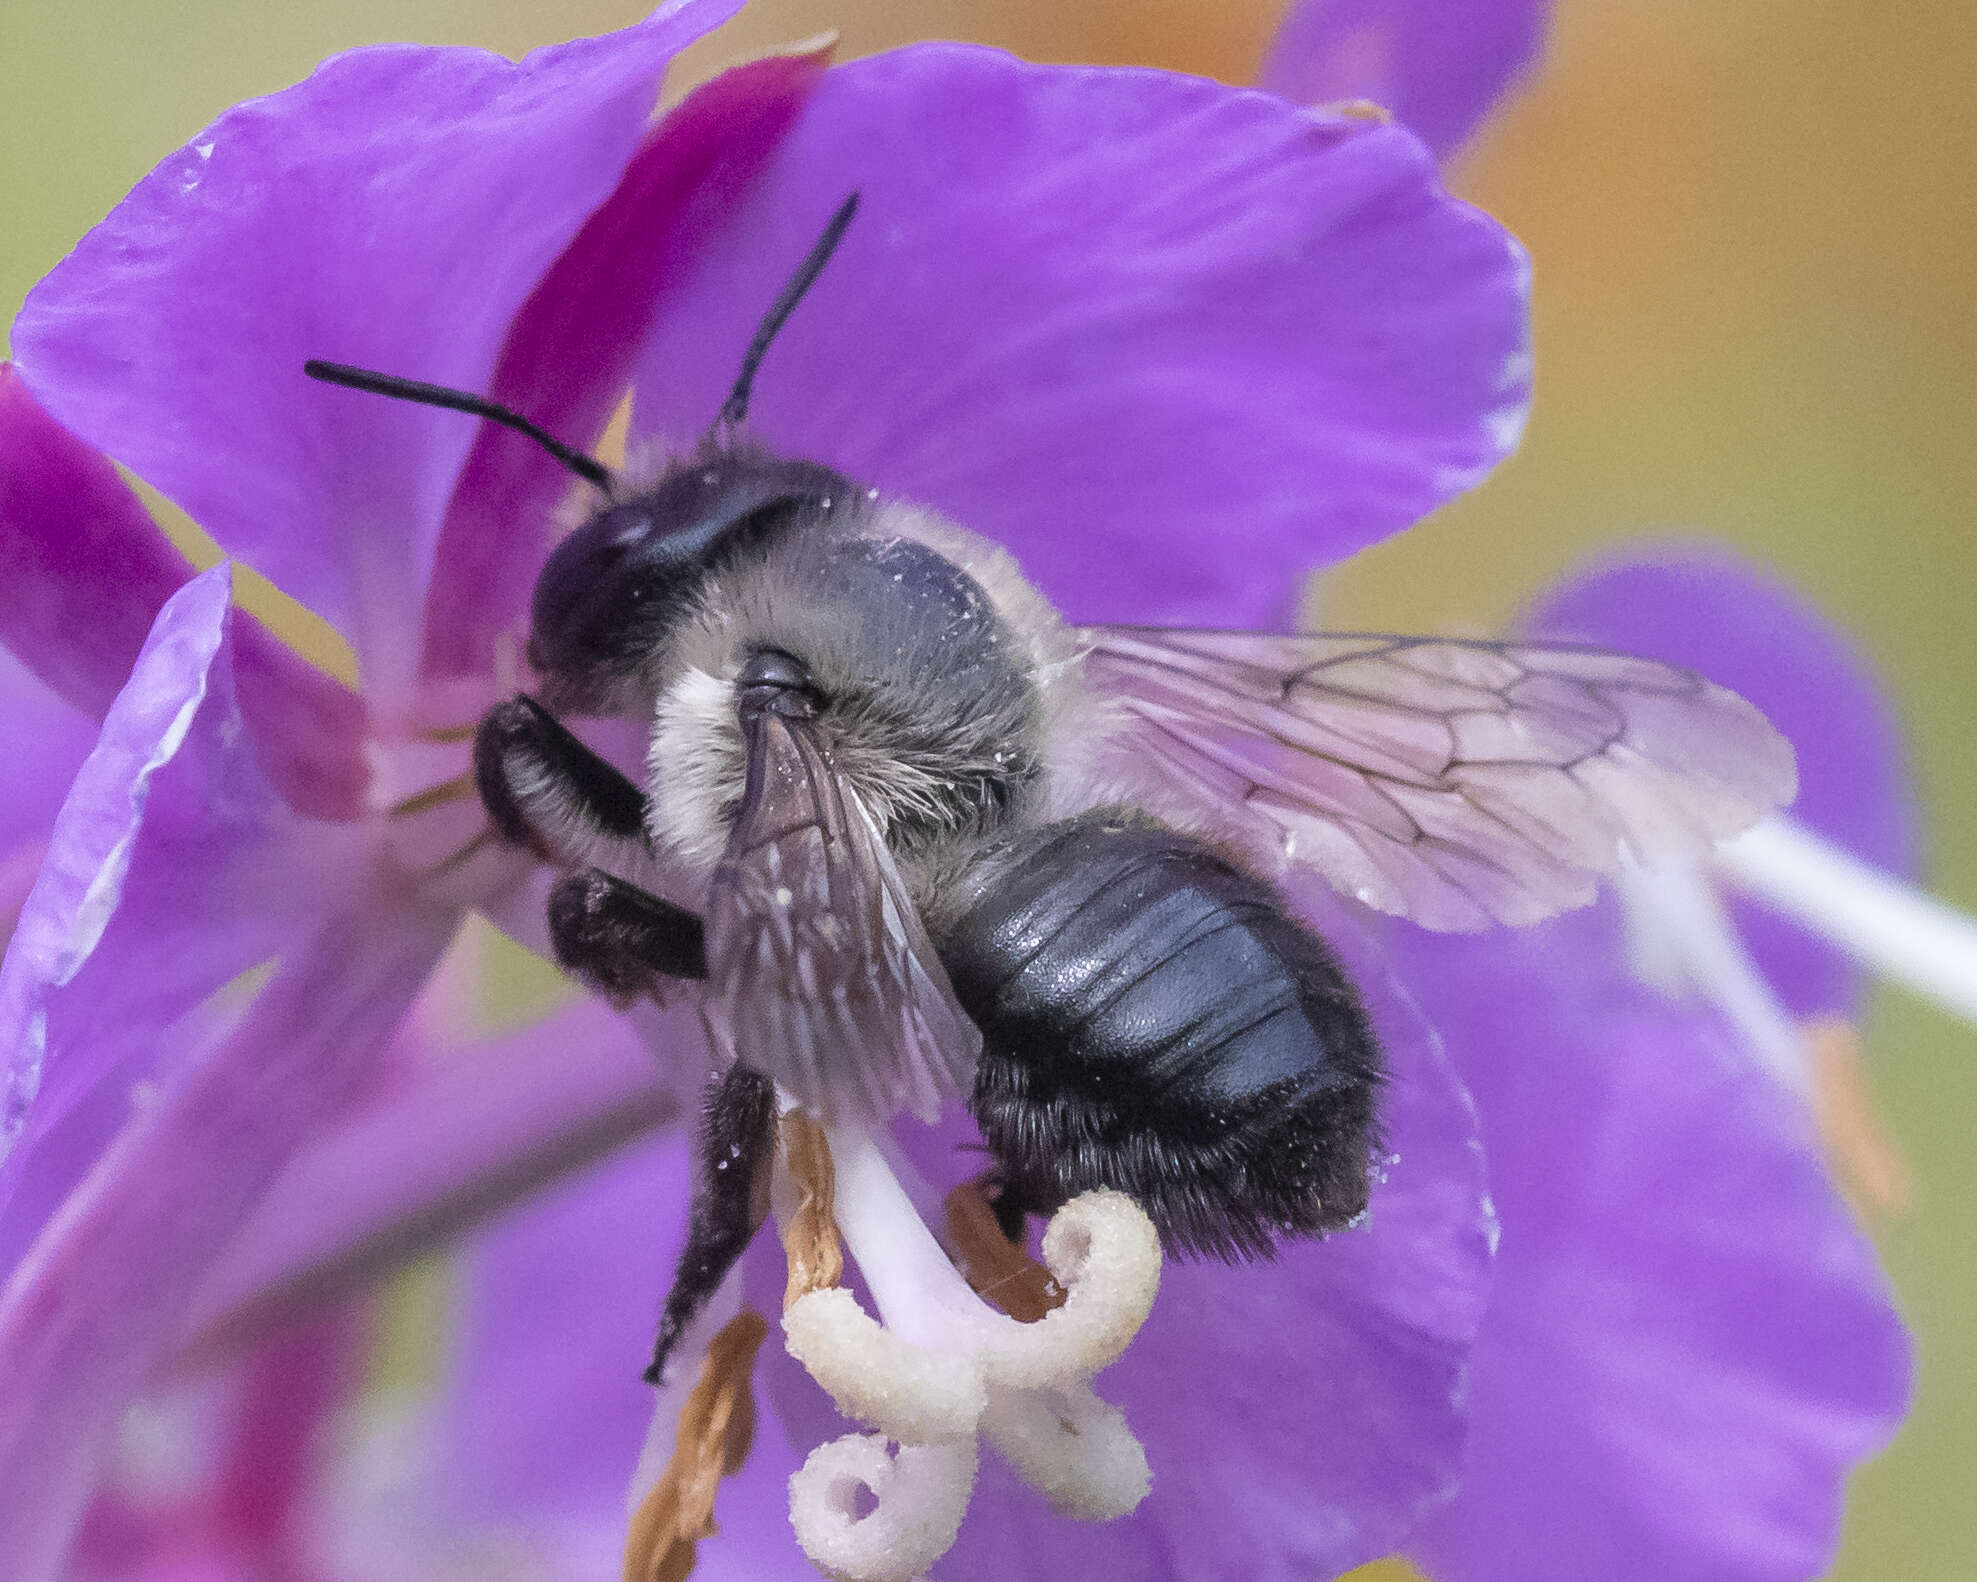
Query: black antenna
x=735, y=408
x=584, y=466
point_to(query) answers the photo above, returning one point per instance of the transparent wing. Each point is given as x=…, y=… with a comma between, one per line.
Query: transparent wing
x=820, y=973
x=1458, y=784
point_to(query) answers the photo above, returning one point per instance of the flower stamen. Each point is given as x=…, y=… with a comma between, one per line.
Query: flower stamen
x=1891, y=927
x=1863, y=1153
x=810, y=1236
x=716, y=1427
x=943, y=1368
x=1682, y=941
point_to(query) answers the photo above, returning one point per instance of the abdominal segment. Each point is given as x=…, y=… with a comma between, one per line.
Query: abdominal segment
x=1155, y=1020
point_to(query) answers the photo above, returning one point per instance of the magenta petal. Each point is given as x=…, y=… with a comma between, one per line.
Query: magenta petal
x=456, y=1139
x=394, y=210
x=568, y=358
x=92, y=1309
x=172, y=867
x=48, y=740
x=1171, y=342
x=84, y=570
x=83, y=567
x=309, y=729
x=1689, y=1344
x=1741, y=627
x=1440, y=66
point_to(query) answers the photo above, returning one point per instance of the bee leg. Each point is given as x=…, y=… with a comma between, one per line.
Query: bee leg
x=546, y=791
x=730, y=1197
x=1011, y=1206
x=621, y=941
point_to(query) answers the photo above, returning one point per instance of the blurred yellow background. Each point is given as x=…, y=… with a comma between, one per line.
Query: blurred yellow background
x=1756, y=310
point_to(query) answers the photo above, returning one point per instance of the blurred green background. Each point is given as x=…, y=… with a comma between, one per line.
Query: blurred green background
x=1756, y=315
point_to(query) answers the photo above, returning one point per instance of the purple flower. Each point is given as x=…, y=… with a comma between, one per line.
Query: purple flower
x=1054, y=322
x=1689, y=1341
x=220, y=1480
x=1439, y=66
x=1245, y=1486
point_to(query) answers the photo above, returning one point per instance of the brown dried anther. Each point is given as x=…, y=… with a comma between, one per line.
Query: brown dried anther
x=715, y=1428
x=1863, y=1154
x=810, y=1238
x=1000, y=1270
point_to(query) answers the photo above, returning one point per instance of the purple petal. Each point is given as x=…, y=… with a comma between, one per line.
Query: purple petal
x=1741, y=627
x=1298, y=1415
x=57, y=1163
x=544, y=1413
x=568, y=358
x=48, y=740
x=1440, y=66
x=546, y=1406
x=172, y=867
x=85, y=571
x=309, y=729
x=395, y=210
x=1689, y=1344
x=91, y=1310
x=1171, y=342
x=83, y=566
x=458, y=1138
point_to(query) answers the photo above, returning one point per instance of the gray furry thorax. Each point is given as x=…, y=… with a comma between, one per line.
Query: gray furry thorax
x=952, y=703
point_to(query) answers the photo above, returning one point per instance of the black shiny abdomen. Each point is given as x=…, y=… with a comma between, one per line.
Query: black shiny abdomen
x=1154, y=1020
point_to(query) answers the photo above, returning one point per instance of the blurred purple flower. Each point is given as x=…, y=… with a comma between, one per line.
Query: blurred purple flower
x=220, y=1481
x=1439, y=66
x=1069, y=288
x=1689, y=1342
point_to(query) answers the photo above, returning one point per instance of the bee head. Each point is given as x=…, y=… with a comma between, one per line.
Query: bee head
x=610, y=593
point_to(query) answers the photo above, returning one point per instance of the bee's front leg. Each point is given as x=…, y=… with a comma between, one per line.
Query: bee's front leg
x=620, y=940
x=545, y=790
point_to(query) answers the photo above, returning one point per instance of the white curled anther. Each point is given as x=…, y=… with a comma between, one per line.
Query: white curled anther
x=1104, y=1251
x=1072, y=1448
x=863, y=1515
x=907, y=1392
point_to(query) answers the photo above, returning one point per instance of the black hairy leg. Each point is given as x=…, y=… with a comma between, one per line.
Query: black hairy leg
x=737, y=1140
x=1012, y=1204
x=546, y=791
x=620, y=940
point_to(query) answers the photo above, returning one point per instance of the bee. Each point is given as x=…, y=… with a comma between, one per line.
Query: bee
x=936, y=843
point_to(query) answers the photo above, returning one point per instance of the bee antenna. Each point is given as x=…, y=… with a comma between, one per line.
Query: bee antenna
x=735, y=408
x=581, y=463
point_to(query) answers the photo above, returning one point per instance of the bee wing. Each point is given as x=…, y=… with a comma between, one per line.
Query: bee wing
x=1458, y=784
x=821, y=975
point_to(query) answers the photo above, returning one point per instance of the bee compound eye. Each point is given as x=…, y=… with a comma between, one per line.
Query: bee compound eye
x=773, y=681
